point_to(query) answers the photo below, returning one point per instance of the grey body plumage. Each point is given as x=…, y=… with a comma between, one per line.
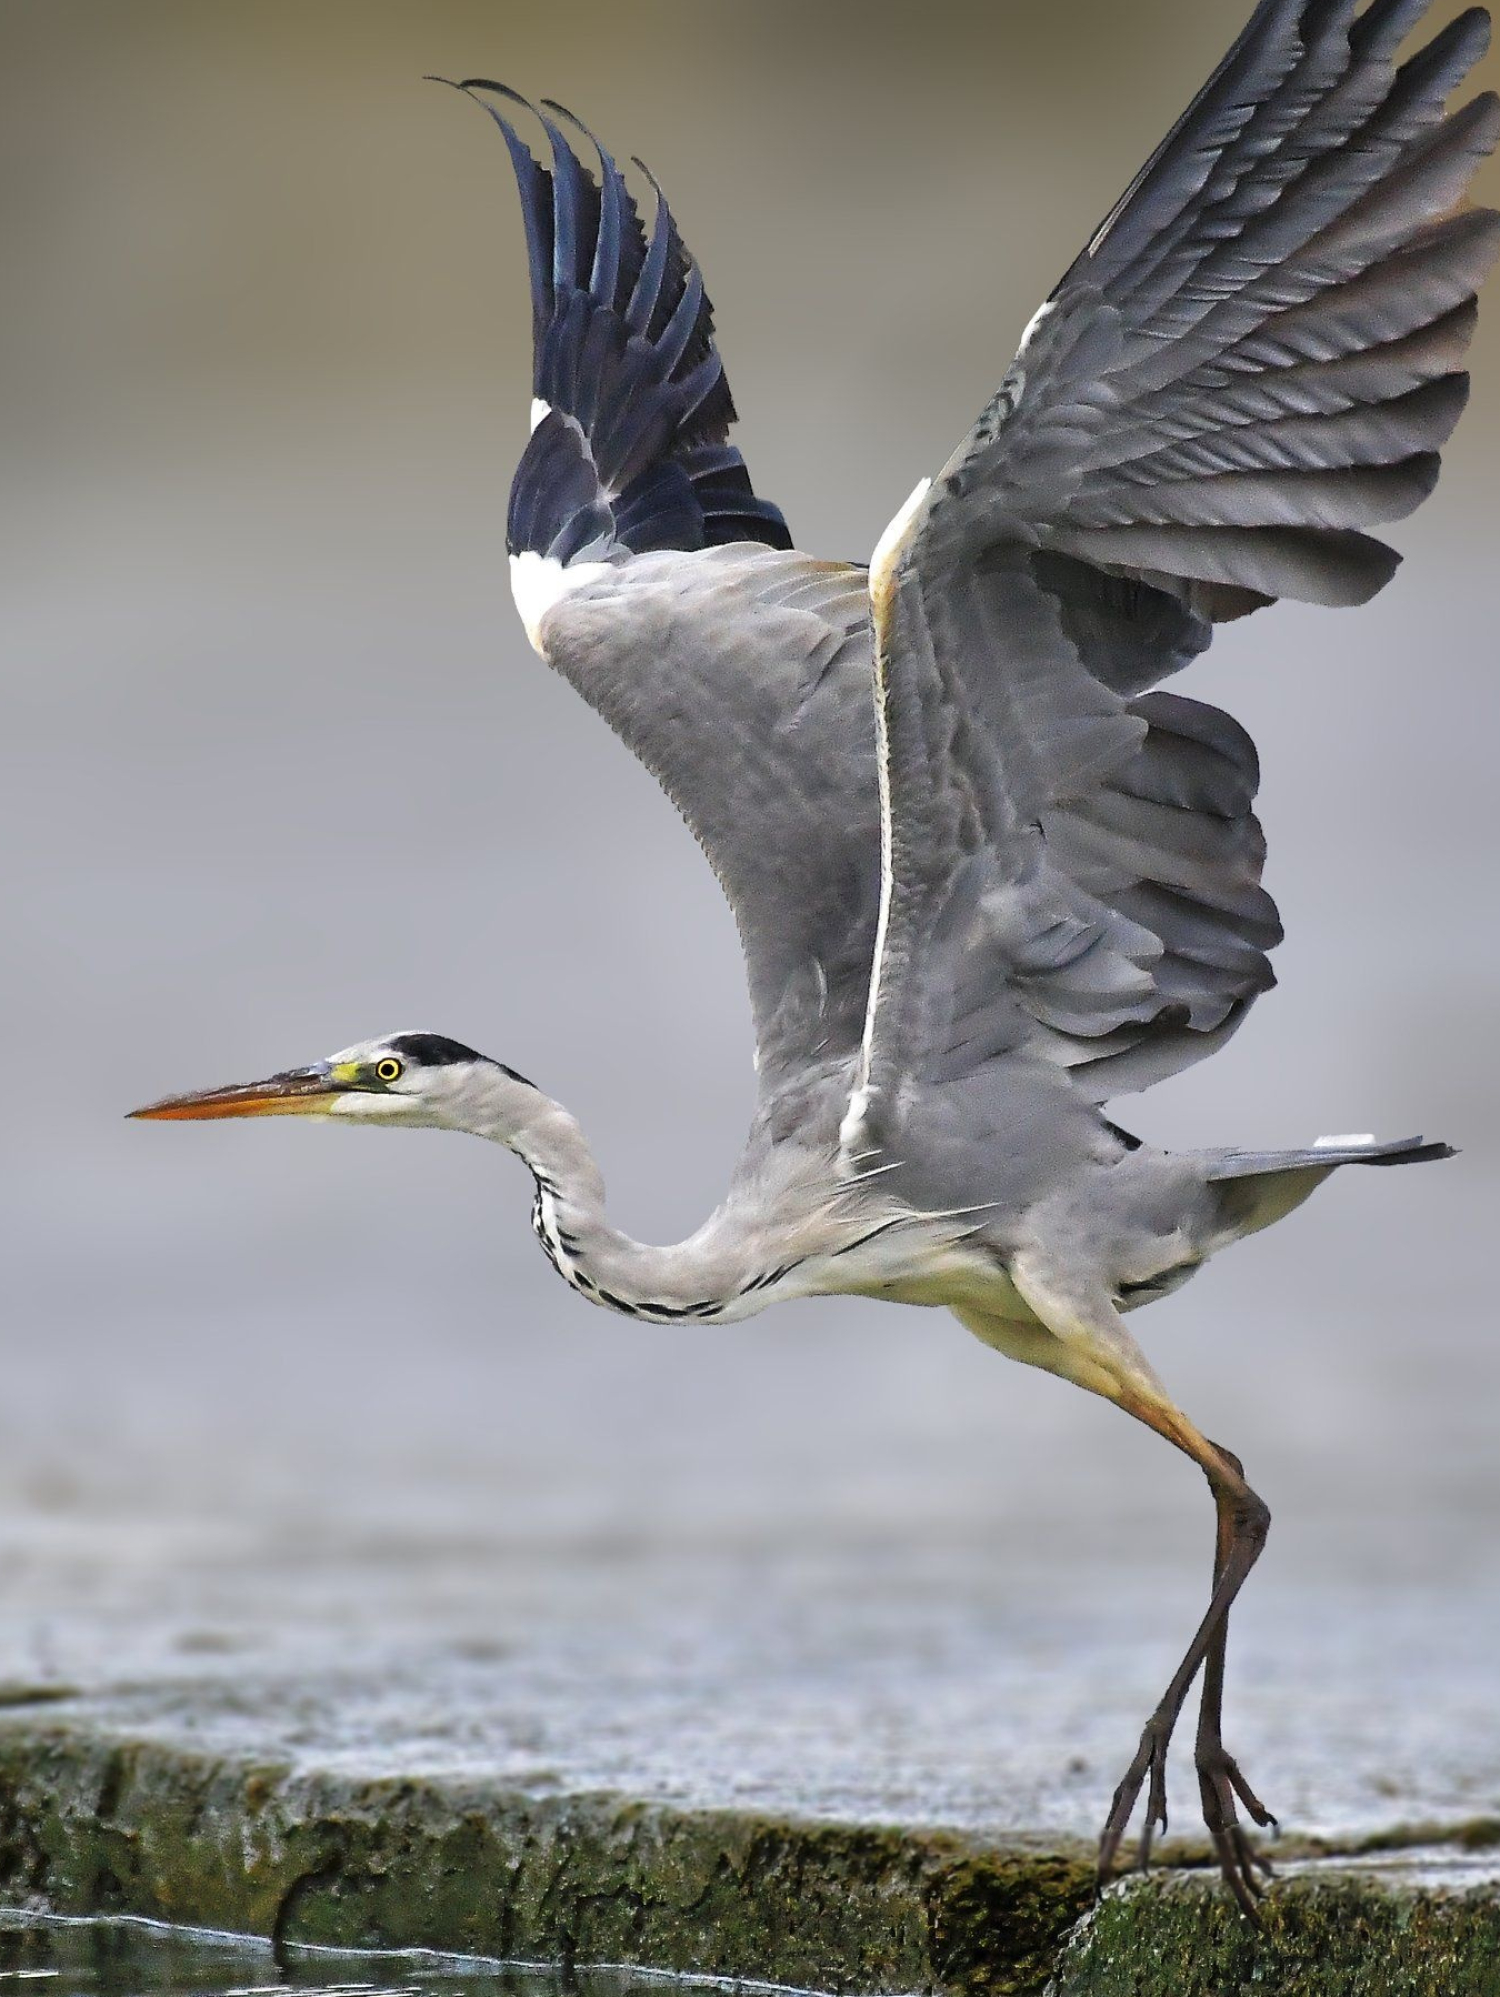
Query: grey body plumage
x=1021, y=879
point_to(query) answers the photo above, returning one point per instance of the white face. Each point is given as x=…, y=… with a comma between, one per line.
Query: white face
x=416, y=1079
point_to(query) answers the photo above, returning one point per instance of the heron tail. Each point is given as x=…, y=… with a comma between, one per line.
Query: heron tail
x=1256, y=1188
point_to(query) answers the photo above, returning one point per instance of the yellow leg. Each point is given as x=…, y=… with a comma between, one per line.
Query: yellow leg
x=1082, y=1338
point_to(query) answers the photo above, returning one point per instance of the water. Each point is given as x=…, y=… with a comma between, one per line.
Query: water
x=123, y=1957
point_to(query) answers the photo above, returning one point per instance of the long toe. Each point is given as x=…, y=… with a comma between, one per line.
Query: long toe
x=1150, y=1763
x=1247, y=1871
x=1156, y=1809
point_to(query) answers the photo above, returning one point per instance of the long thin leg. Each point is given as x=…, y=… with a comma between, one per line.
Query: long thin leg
x=1220, y=1781
x=1080, y=1336
x=1243, y=1522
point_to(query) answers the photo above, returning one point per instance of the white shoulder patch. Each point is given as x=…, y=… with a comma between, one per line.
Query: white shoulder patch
x=537, y=582
x=888, y=547
x=1039, y=319
x=540, y=411
x=1345, y=1143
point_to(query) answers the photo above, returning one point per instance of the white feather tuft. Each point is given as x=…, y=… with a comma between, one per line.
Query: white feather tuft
x=853, y=1132
x=537, y=582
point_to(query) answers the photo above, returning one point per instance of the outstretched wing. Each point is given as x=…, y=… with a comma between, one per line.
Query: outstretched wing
x=651, y=575
x=1255, y=361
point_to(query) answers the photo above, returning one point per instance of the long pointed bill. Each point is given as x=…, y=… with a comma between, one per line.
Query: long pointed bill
x=299, y=1092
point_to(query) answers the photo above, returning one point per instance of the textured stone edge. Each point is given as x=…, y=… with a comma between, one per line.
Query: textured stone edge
x=92, y=1823
x=1327, y=1934
x=95, y=1820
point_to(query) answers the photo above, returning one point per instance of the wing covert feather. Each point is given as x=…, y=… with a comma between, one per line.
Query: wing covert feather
x=740, y=677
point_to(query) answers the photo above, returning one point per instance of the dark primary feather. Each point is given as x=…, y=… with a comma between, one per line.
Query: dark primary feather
x=635, y=453
x=1256, y=361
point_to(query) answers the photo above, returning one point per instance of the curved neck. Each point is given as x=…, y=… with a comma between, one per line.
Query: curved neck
x=713, y=1275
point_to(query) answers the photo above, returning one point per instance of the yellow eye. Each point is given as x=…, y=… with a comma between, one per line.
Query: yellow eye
x=388, y=1070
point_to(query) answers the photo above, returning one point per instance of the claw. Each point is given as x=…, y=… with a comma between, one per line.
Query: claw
x=1247, y=1795
x=1156, y=1802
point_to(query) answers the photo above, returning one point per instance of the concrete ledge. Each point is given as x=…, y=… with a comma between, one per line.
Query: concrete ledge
x=91, y=1822
x=94, y=1825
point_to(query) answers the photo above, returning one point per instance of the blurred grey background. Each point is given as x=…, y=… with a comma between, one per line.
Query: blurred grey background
x=279, y=772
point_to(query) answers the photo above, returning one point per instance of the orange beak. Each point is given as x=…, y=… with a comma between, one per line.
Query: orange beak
x=298, y=1092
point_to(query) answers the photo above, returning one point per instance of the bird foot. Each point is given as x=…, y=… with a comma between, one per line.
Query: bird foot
x=1247, y=1871
x=1150, y=1763
x=1223, y=1788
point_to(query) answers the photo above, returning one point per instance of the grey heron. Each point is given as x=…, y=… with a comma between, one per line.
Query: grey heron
x=986, y=875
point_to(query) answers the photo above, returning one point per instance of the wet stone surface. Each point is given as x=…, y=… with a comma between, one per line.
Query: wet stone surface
x=958, y=1685
x=858, y=1767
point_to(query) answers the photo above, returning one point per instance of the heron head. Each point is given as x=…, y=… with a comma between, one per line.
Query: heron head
x=421, y=1079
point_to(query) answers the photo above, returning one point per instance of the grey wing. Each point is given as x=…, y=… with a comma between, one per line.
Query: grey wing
x=650, y=573
x=740, y=677
x=1256, y=360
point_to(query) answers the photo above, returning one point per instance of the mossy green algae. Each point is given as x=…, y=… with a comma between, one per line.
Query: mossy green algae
x=1327, y=1934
